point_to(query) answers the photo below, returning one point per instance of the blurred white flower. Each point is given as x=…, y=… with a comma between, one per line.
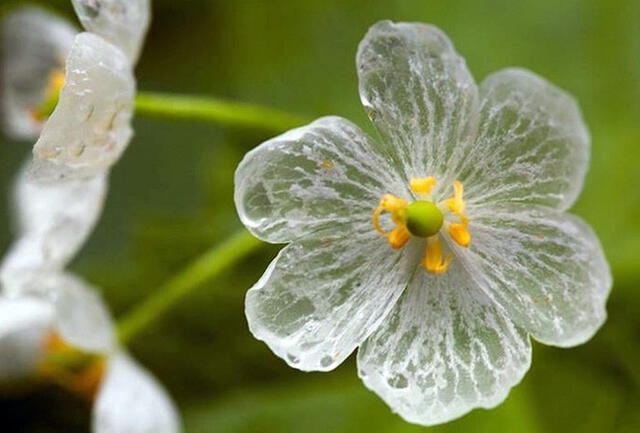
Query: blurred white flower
x=440, y=249
x=59, y=330
x=35, y=44
x=91, y=104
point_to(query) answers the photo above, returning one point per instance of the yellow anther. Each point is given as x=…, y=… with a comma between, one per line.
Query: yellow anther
x=456, y=203
x=433, y=260
x=460, y=234
x=398, y=237
x=392, y=204
x=71, y=368
x=51, y=96
x=422, y=185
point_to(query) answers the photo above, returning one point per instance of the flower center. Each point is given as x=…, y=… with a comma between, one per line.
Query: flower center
x=423, y=218
x=51, y=96
x=71, y=368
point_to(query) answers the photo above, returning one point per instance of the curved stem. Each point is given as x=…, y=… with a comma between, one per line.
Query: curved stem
x=205, y=267
x=172, y=106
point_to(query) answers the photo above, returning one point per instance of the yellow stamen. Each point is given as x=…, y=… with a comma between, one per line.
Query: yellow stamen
x=51, y=96
x=393, y=205
x=433, y=260
x=422, y=185
x=399, y=237
x=456, y=203
x=73, y=369
x=460, y=234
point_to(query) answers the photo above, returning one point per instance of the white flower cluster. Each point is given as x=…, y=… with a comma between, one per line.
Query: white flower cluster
x=52, y=323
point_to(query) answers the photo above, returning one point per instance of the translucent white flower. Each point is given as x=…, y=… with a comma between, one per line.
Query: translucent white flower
x=84, y=103
x=91, y=126
x=59, y=318
x=35, y=44
x=438, y=250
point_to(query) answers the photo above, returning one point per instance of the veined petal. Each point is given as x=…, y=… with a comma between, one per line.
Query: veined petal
x=35, y=43
x=323, y=295
x=321, y=175
x=53, y=221
x=419, y=94
x=533, y=145
x=132, y=401
x=23, y=326
x=91, y=125
x=545, y=268
x=444, y=350
x=122, y=22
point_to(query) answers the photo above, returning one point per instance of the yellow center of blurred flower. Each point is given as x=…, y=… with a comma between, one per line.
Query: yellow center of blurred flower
x=51, y=96
x=425, y=219
x=73, y=369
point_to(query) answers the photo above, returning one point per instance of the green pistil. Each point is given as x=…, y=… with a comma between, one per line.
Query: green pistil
x=423, y=218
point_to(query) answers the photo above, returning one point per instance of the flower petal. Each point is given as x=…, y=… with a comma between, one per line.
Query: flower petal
x=82, y=317
x=419, y=94
x=533, y=145
x=444, y=350
x=547, y=270
x=317, y=176
x=91, y=125
x=132, y=401
x=322, y=296
x=35, y=43
x=24, y=324
x=53, y=222
x=122, y=22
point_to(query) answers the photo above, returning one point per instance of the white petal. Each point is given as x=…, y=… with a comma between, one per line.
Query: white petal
x=53, y=221
x=444, y=350
x=35, y=43
x=547, y=269
x=131, y=401
x=322, y=296
x=533, y=145
x=91, y=125
x=419, y=94
x=23, y=325
x=122, y=22
x=82, y=317
x=317, y=176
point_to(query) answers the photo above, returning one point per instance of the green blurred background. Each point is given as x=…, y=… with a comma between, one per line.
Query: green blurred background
x=171, y=199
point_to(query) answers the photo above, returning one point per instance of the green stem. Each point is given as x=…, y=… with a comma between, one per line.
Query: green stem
x=171, y=106
x=207, y=266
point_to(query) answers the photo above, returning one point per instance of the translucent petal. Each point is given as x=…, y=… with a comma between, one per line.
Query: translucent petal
x=317, y=176
x=53, y=221
x=547, y=269
x=132, y=401
x=322, y=296
x=533, y=146
x=444, y=350
x=81, y=316
x=419, y=94
x=35, y=43
x=122, y=22
x=91, y=125
x=23, y=326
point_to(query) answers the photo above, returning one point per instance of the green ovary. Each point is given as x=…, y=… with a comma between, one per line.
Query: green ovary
x=423, y=218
